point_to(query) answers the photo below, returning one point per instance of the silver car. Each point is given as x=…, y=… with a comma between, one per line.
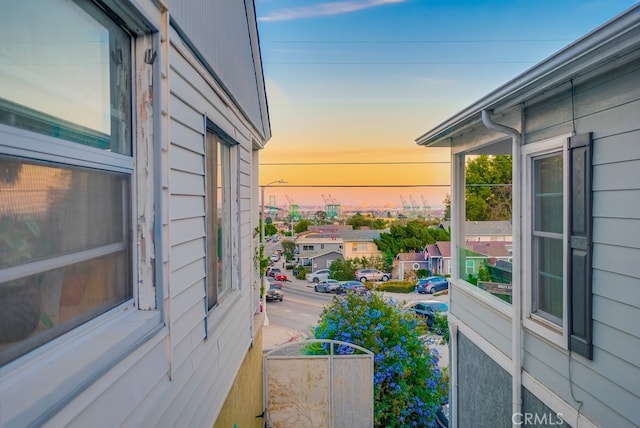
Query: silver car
x=317, y=276
x=363, y=275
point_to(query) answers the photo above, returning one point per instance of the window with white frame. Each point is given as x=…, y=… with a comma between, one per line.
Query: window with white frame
x=66, y=168
x=545, y=205
x=547, y=236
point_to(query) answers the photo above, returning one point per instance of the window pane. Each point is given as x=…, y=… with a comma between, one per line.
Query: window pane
x=484, y=259
x=65, y=71
x=547, y=188
x=64, y=250
x=548, y=278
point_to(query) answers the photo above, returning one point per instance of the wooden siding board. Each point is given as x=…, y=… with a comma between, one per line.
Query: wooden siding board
x=616, y=88
x=122, y=394
x=181, y=206
x=186, y=138
x=618, y=371
x=610, y=394
x=184, y=113
x=612, y=285
x=485, y=321
x=613, y=340
x=186, y=253
x=186, y=161
x=617, y=315
x=615, y=120
x=183, y=302
x=187, y=184
x=204, y=97
x=616, y=148
x=617, y=259
x=617, y=176
x=187, y=275
x=616, y=231
x=191, y=320
x=186, y=230
x=617, y=204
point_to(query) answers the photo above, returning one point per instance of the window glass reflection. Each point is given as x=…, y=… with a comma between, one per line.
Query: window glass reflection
x=65, y=71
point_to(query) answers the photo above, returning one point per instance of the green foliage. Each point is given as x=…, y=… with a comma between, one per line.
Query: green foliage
x=397, y=286
x=410, y=237
x=269, y=229
x=488, y=188
x=358, y=221
x=342, y=270
x=301, y=226
x=441, y=326
x=408, y=385
x=288, y=248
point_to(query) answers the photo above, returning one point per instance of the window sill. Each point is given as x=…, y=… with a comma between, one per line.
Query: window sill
x=546, y=330
x=39, y=384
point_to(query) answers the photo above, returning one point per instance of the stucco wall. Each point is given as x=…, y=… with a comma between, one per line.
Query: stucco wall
x=245, y=400
x=484, y=389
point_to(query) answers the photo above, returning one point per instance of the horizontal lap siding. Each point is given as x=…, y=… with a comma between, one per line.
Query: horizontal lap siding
x=484, y=320
x=202, y=370
x=610, y=108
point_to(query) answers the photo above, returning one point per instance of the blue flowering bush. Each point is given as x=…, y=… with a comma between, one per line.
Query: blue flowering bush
x=409, y=387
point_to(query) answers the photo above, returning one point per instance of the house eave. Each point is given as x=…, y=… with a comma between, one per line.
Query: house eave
x=604, y=46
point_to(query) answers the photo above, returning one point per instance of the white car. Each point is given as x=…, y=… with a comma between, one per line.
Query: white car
x=319, y=275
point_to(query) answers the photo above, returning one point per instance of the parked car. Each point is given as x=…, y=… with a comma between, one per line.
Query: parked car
x=328, y=286
x=273, y=271
x=423, y=310
x=355, y=286
x=431, y=306
x=319, y=275
x=275, y=291
x=432, y=284
x=363, y=275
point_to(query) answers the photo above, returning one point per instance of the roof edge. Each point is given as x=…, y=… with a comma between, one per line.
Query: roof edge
x=614, y=28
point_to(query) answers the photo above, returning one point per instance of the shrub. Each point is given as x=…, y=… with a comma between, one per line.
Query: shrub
x=408, y=385
x=397, y=286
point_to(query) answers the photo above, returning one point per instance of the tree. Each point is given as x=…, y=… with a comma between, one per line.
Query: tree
x=488, y=188
x=342, y=270
x=302, y=226
x=409, y=387
x=411, y=237
x=288, y=248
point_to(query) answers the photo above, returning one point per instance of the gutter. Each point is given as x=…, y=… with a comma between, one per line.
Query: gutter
x=617, y=35
x=516, y=297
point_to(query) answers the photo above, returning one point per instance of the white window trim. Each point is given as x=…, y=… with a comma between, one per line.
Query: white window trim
x=532, y=322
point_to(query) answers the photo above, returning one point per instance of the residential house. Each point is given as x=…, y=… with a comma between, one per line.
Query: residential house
x=129, y=141
x=312, y=244
x=324, y=260
x=359, y=243
x=565, y=352
x=484, y=230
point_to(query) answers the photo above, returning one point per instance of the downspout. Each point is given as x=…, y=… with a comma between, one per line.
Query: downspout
x=516, y=298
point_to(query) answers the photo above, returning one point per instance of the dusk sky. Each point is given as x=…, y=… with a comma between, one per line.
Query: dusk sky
x=352, y=84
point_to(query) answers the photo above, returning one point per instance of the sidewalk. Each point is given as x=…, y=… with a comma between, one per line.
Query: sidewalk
x=274, y=336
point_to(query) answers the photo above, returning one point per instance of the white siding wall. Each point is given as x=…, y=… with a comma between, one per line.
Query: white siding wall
x=177, y=378
x=609, y=385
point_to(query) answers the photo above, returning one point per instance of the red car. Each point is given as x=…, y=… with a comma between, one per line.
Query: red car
x=277, y=274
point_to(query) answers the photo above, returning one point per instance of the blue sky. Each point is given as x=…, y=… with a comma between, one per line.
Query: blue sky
x=356, y=81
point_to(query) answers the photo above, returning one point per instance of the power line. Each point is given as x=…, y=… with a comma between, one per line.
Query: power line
x=416, y=41
x=353, y=163
x=401, y=62
x=357, y=186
